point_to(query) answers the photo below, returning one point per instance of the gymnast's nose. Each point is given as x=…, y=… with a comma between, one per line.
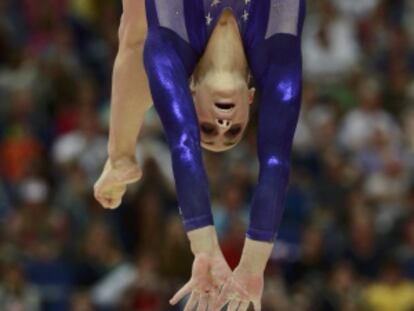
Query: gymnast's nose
x=223, y=124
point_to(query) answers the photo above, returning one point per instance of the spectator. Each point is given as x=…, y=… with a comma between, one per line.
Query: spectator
x=406, y=251
x=15, y=292
x=330, y=45
x=392, y=292
x=360, y=124
x=344, y=292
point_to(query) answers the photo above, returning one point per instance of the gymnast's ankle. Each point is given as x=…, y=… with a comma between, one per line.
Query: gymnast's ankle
x=121, y=162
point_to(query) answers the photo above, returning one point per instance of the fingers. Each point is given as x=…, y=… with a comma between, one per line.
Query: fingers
x=184, y=291
x=257, y=305
x=244, y=305
x=192, y=302
x=203, y=302
x=232, y=292
x=223, y=298
x=212, y=297
x=233, y=305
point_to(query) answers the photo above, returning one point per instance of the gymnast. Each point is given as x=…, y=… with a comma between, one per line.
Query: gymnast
x=193, y=59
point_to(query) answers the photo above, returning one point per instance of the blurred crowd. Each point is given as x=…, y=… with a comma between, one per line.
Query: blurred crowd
x=347, y=239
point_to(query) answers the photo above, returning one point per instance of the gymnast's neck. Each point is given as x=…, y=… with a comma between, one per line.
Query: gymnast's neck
x=224, y=51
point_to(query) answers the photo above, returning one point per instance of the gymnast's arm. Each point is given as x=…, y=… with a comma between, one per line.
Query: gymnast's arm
x=169, y=62
x=280, y=85
x=276, y=66
x=131, y=97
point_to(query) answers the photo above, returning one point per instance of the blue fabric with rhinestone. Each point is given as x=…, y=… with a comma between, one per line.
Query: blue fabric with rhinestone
x=178, y=32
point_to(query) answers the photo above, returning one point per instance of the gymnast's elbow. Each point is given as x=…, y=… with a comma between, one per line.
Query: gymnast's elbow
x=274, y=164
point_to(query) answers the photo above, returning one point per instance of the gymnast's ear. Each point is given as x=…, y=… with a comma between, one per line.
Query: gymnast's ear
x=252, y=92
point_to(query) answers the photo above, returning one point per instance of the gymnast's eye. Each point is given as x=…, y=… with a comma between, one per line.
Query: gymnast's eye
x=208, y=128
x=234, y=131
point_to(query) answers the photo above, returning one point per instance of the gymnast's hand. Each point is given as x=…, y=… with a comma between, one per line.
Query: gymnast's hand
x=210, y=271
x=111, y=186
x=245, y=286
x=242, y=288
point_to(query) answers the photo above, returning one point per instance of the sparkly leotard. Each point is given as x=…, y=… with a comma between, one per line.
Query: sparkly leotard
x=178, y=32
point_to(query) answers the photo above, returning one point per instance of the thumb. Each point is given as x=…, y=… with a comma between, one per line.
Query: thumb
x=184, y=291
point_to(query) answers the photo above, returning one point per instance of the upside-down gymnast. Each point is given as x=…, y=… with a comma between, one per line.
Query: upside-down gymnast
x=192, y=59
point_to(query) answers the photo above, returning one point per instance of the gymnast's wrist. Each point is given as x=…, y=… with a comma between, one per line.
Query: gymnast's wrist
x=255, y=256
x=204, y=240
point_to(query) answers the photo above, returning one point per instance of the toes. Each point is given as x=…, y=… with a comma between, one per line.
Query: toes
x=108, y=202
x=111, y=199
x=114, y=204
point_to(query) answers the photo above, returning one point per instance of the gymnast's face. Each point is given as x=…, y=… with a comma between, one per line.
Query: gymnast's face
x=222, y=101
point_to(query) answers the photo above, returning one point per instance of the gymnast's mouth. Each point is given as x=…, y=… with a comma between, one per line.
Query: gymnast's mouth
x=225, y=108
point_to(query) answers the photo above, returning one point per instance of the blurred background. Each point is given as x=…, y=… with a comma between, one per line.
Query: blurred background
x=347, y=238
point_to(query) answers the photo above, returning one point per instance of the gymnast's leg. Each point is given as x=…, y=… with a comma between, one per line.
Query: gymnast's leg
x=131, y=98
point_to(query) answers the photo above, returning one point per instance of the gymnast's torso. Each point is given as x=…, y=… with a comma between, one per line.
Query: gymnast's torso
x=195, y=20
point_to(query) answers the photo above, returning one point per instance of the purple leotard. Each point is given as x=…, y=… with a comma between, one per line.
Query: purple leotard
x=178, y=32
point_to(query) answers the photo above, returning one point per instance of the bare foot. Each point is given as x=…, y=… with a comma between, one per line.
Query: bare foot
x=112, y=185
